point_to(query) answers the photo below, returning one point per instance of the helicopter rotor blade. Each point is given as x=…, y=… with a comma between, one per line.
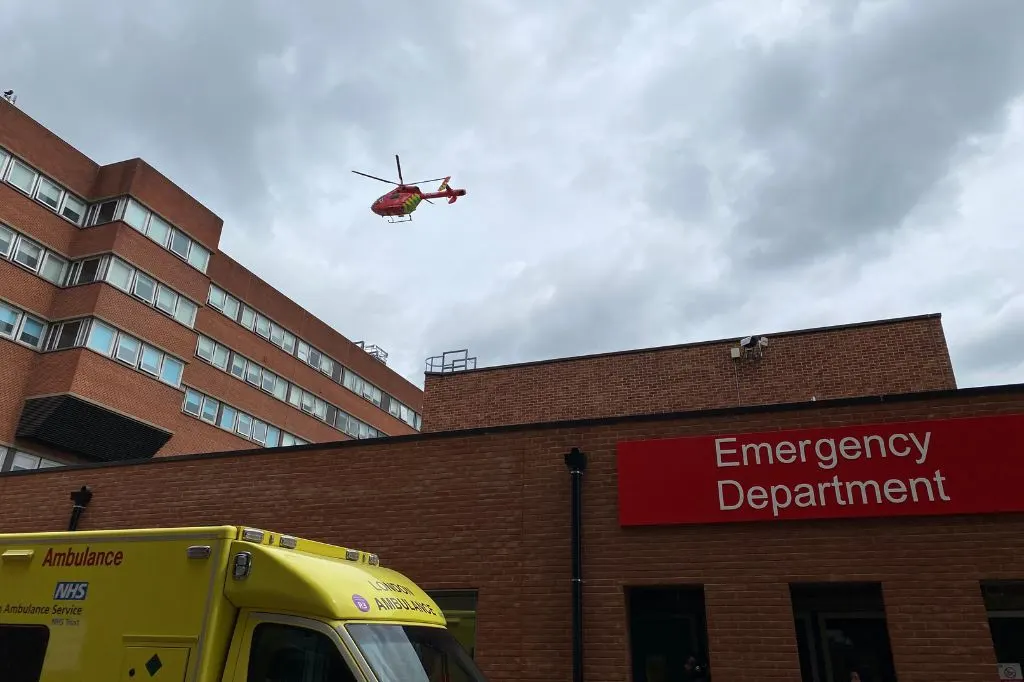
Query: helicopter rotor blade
x=399, y=164
x=423, y=182
x=374, y=177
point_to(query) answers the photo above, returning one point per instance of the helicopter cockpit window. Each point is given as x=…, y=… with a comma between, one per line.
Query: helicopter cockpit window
x=394, y=195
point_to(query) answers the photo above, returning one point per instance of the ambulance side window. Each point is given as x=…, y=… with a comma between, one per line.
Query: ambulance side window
x=285, y=653
x=22, y=652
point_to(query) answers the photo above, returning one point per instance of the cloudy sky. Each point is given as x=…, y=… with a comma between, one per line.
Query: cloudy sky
x=641, y=173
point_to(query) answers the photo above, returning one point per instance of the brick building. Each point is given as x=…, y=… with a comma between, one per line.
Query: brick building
x=855, y=557
x=126, y=333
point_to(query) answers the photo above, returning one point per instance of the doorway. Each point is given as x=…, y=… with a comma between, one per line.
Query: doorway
x=667, y=625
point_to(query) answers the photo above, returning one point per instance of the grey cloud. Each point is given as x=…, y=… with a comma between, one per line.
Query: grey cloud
x=858, y=129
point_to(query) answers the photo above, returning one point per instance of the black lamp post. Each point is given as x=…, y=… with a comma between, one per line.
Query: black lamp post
x=81, y=498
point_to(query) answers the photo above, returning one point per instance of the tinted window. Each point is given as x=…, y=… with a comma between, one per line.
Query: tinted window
x=284, y=653
x=22, y=652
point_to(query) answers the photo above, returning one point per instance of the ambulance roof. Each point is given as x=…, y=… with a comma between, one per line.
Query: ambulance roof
x=338, y=583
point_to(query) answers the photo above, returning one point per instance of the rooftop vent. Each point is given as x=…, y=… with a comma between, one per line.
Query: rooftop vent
x=451, y=361
x=375, y=351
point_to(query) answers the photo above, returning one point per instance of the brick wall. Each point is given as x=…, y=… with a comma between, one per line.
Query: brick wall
x=878, y=358
x=490, y=510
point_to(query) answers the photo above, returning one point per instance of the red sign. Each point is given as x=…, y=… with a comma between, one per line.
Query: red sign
x=951, y=466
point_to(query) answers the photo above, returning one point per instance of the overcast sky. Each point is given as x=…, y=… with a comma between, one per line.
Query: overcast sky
x=639, y=173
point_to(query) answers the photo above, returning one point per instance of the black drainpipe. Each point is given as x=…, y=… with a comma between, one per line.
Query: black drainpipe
x=81, y=498
x=577, y=462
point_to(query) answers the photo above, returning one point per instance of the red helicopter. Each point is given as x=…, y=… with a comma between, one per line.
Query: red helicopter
x=398, y=204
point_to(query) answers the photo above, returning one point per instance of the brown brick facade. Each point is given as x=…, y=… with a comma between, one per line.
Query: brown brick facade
x=116, y=388
x=489, y=510
x=875, y=358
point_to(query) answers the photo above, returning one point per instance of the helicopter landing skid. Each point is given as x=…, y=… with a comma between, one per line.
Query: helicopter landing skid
x=400, y=219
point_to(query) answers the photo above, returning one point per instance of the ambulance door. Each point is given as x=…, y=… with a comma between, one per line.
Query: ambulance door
x=157, y=663
x=277, y=648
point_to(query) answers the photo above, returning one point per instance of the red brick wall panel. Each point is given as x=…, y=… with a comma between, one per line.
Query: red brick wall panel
x=895, y=356
x=491, y=511
x=28, y=216
x=26, y=290
x=113, y=180
x=175, y=205
x=43, y=149
x=15, y=371
x=49, y=374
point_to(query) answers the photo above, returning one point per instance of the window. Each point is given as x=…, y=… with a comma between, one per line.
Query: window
x=198, y=257
x=150, y=360
x=32, y=331
x=193, y=402
x=841, y=629
x=53, y=268
x=48, y=193
x=120, y=274
x=248, y=317
x=179, y=243
x=101, y=338
x=252, y=374
x=263, y=326
x=217, y=297
x=220, y=357
x=8, y=319
x=170, y=372
x=185, y=312
x=231, y=307
x=279, y=651
x=166, y=299
x=269, y=381
x=74, y=209
x=459, y=609
x=206, y=348
x=210, y=409
x=259, y=431
x=145, y=287
x=135, y=215
x=289, y=342
x=276, y=335
x=159, y=231
x=28, y=253
x=23, y=651
x=6, y=240
x=410, y=652
x=66, y=335
x=89, y=271
x=106, y=212
x=244, y=425
x=237, y=365
x=280, y=389
x=227, y=418
x=128, y=349
x=21, y=176
x=273, y=436
x=25, y=462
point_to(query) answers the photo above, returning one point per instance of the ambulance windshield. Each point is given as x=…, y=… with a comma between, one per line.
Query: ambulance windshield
x=406, y=653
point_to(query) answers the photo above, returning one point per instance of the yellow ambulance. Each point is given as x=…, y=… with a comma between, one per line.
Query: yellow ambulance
x=213, y=604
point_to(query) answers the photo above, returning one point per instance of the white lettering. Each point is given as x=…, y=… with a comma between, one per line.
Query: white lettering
x=719, y=452
x=922, y=447
x=855, y=493
x=850, y=447
x=757, y=452
x=721, y=496
x=830, y=460
x=783, y=450
x=898, y=453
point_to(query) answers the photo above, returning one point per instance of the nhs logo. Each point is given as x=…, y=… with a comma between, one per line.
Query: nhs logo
x=70, y=591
